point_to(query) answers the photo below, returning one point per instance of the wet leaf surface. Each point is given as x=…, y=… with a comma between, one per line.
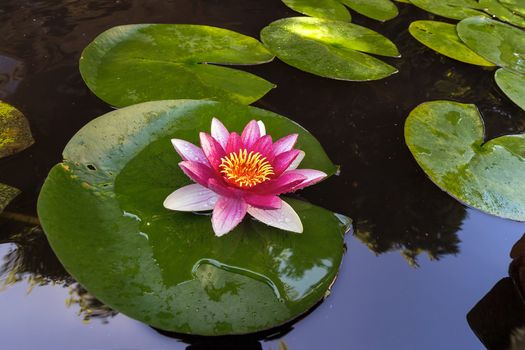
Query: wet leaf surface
x=15, y=134
x=381, y=10
x=145, y=62
x=455, y=9
x=447, y=140
x=497, y=9
x=513, y=85
x=103, y=215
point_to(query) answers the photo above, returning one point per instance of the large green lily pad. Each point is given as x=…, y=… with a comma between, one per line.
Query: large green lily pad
x=332, y=49
x=7, y=194
x=443, y=38
x=447, y=140
x=381, y=10
x=102, y=212
x=499, y=43
x=513, y=85
x=497, y=9
x=455, y=9
x=145, y=62
x=15, y=134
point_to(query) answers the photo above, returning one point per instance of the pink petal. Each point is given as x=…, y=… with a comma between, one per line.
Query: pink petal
x=297, y=161
x=284, y=183
x=224, y=190
x=219, y=132
x=263, y=201
x=264, y=147
x=251, y=134
x=285, y=144
x=311, y=177
x=196, y=171
x=262, y=127
x=188, y=151
x=284, y=160
x=234, y=143
x=191, y=198
x=212, y=149
x=284, y=218
x=227, y=214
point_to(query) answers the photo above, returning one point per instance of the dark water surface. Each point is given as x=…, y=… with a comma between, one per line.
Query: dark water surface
x=417, y=263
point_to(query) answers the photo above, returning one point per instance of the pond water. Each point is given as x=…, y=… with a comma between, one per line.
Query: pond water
x=417, y=262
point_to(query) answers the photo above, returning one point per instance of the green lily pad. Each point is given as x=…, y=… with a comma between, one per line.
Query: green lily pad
x=332, y=49
x=513, y=85
x=516, y=6
x=455, y=9
x=7, y=194
x=447, y=140
x=15, y=134
x=502, y=12
x=499, y=43
x=381, y=10
x=102, y=212
x=443, y=38
x=144, y=62
x=329, y=9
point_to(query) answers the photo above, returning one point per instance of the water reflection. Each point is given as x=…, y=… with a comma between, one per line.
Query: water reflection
x=498, y=319
x=12, y=72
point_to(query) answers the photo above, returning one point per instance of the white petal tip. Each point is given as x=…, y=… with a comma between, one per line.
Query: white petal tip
x=262, y=127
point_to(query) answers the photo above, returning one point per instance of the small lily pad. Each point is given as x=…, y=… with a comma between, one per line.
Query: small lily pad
x=332, y=49
x=144, y=62
x=513, y=85
x=499, y=43
x=447, y=140
x=495, y=8
x=455, y=9
x=381, y=10
x=7, y=194
x=443, y=38
x=15, y=134
x=102, y=212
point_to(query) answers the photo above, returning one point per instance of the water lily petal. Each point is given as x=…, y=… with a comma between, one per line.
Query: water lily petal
x=284, y=160
x=191, y=198
x=251, y=134
x=227, y=214
x=284, y=218
x=224, y=190
x=264, y=147
x=311, y=177
x=234, y=143
x=284, y=183
x=196, y=171
x=219, y=132
x=262, y=127
x=297, y=161
x=188, y=151
x=285, y=144
x=212, y=149
x=263, y=201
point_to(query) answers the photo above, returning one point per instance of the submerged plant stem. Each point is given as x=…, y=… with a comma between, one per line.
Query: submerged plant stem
x=28, y=219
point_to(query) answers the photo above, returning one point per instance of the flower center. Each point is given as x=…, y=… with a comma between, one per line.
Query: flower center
x=246, y=169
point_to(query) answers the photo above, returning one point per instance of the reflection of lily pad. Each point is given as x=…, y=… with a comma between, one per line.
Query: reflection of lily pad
x=7, y=194
x=382, y=10
x=495, y=8
x=15, y=134
x=500, y=43
x=455, y=9
x=447, y=140
x=102, y=212
x=443, y=38
x=136, y=63
x=513, y=85
x=332, y=49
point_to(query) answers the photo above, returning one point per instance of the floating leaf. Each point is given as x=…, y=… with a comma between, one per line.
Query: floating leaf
x=329, y=9
x=443, y=38
x=15, y=134
x=331, y=49
x=500, y=43
x=382, y=10
x=136, y=63
x=103, y=215
x=455, y=9
x=516, y=6
x=7, y=194
x=447, y=140
x=513, y=85
x=495, y=8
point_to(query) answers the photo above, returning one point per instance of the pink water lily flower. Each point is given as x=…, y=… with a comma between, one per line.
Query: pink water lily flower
x=238, y=174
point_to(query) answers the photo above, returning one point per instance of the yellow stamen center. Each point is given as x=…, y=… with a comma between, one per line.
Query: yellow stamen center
x=246, y=169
